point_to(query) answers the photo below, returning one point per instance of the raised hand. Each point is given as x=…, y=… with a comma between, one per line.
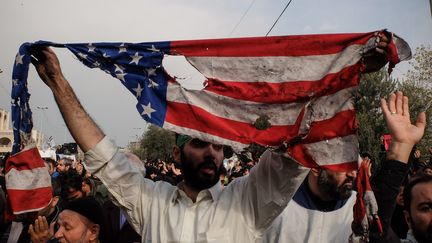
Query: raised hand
x=404, y=134
x=377, y=58
x=47, y=65
x=39, y=231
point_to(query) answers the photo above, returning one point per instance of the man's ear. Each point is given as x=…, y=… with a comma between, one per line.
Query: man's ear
x=95, y=231
x=176, y=154
x=315, y=171
x=407, y=218
x=54, y=201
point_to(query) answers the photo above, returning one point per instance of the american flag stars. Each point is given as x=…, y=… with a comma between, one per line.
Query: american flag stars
x=91, y=48
x=152, y=84
x=138, y=91
x=151, y=72
x=135, y=58
x=82, y=55
x=19, y=59
x=122, y=48
x=118, y=68
x=147, y=110
x=153, y=49
x=121, y=76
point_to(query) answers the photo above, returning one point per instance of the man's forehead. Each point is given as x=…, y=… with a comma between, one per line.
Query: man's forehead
x=422, y=192
x=71, y=217
x=68, y=217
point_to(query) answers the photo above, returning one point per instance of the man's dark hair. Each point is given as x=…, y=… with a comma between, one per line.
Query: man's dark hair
x=50, y=161
x=182, y=139
x=70, y=180
x=67, y=161
x=151, y=170
x=366, y=154
x=89, y=182
x=407, y=193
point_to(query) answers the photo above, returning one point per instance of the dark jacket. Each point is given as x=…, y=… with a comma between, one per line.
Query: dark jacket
x=385, y=185
x=114, y=234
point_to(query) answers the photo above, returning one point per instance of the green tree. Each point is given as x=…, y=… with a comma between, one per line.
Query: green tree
x=157, y=143
x=421, y=72
x=417, y=85
x=373, y=86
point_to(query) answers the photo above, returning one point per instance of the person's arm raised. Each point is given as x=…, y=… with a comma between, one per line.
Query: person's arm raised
x=404, y=134
x=81, y=126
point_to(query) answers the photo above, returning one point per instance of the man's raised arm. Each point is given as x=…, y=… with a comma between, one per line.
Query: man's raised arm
x=81, y=126
x=404, y=134
x=388, y=179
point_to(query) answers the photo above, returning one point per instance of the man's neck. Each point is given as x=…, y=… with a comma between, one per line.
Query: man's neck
x=191, y=192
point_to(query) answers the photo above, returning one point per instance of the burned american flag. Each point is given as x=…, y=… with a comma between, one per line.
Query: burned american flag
x=301, y=85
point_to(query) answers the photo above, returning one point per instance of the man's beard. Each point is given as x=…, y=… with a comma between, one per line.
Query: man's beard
x=328, y=185
x=194, y=178
x=421, y=236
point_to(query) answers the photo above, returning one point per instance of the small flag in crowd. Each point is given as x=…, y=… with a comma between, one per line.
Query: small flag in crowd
x=301, y=86
x=28, y=182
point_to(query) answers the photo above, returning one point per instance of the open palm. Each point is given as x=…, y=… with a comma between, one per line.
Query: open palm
x=396, y=114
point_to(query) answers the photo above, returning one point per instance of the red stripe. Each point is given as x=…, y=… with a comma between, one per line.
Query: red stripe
x=300, y=154
x=287, y=92
x=183, y=115
x=26, y=200
x=345, y=166
x=196, y=118
x=26, y=160
x=296, y=45
x=342, y=124
x=392, y=55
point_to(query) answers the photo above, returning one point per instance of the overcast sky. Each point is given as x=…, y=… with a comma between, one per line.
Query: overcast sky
x=111, y=105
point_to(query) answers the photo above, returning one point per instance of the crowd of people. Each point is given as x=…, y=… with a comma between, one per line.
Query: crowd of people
x=79, y=193
x=169, y=171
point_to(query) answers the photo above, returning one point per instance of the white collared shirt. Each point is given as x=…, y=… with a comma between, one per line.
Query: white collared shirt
x=161, y=212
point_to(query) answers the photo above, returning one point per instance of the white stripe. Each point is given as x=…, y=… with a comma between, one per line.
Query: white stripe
x=236, y=146
x=276, y=68
x=328, y=106
x=233, y=109
x=28, y=179
x=334, y=151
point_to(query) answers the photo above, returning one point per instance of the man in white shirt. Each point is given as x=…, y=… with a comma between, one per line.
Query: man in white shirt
x=320, y=211
x=198, y=209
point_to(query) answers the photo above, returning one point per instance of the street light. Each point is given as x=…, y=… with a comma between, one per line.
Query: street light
x=136, y=135
x=42, y=108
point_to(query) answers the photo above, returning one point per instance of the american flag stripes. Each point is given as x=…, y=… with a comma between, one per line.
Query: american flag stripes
x=28, y=182
x=302, y=84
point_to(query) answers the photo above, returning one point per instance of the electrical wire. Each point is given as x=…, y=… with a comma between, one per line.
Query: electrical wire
x=242, y=17
x=278, y=17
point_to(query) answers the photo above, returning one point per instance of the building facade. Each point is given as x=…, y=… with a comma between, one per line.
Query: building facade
x=6, y=133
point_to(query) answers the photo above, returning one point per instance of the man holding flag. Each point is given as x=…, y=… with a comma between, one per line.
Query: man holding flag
x=198, y=210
